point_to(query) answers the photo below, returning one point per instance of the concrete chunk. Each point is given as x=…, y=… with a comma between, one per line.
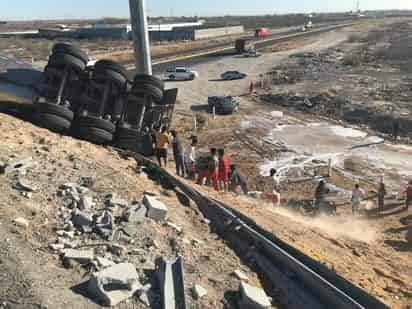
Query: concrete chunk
x=156, y=210
x=21, y=222
x=199, y=291
x=20, y=166
x=135, y=213
x=81, y=256
x=240, y=275
x=113, y=200
x=86, y=202
x=104, y=263
x=82, y=221
x=115, y=284
x=253, y=298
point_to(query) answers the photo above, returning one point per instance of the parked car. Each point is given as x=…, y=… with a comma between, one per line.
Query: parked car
x=180, y=73
x=230, y=75
x=223, y=105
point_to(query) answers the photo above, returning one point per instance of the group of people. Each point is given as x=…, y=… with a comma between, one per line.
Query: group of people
x=213, y=169
x=358, y=196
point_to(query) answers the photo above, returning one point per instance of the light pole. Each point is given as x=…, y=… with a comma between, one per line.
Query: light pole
x=140, y=36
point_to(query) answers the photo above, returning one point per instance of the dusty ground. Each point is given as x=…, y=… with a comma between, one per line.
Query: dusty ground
x=59, y=160
x=370, y=250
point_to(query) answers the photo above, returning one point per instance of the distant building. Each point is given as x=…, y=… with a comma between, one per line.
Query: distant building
x=157, y=32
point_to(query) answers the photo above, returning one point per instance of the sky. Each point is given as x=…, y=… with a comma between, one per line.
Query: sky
x=67, y=9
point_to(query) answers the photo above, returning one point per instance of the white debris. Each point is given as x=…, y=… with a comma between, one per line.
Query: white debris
x=253, y=298
x=199, y=291
x=240, y=275
x=21, y=222
x=155, y=209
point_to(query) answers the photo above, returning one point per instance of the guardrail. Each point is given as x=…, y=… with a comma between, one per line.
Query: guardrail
x=301, y=279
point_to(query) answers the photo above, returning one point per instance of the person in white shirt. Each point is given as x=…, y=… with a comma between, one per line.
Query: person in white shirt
x=190, y=158
x=358, y=195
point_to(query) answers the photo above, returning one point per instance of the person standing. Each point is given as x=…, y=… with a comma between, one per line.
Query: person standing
x=235, y=180
x=358, y=195
x=381, y=196
x=320, y=194
x=396, y=125
x=274, y=195
x=190, y=158
x=161, y=145
x=223, y=170
x=214, y=169
x=178, y=154
x=408, y=195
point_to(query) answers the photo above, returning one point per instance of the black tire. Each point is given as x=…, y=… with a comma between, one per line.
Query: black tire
x=172, y=77
x=149, y=89
x=52, y=122
x=115, y=77
x=66, y=48
x=94, y=135
x=92, y=122
x=192, y=77
x=149, y=79
x=61, y=60
x=103, y=65
x=54, y=109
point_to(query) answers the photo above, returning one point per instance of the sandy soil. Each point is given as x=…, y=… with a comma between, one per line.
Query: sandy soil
x=370, y=250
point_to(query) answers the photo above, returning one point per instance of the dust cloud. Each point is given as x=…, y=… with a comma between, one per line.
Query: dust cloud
x=339, y=226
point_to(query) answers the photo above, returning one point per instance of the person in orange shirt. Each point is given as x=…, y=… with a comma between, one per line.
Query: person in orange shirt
x=162, y=141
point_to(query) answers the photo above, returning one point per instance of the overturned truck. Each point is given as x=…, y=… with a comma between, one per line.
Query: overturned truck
x=99, y=102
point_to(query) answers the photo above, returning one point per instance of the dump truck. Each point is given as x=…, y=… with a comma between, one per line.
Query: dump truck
x=243, y=45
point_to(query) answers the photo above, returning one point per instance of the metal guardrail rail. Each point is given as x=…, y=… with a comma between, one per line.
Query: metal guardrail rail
x=305, y=282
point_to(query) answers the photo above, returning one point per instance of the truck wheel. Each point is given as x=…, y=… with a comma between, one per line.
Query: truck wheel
x=52, y=122
x=172, y=77
x=150, y=80
x=61, y=60
x=94, y=135
x=54, y=109
x=149, y=89
x=65, y=48
x=93, y=122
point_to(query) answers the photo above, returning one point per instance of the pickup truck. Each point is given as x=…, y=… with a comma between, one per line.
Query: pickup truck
x=180, y=73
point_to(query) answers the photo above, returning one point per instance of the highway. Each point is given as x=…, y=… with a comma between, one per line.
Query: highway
x=192, y=57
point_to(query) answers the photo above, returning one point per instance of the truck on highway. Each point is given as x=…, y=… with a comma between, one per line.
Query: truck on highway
x=243, y=45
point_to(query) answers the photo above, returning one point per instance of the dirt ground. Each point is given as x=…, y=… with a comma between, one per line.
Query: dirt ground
x=59, y=160
x=370, y=249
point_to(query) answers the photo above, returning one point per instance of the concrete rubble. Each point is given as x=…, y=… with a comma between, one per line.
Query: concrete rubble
x=240, y=275
x=113, y=200
x=199, y=291
x=115, y=284
x=81, y=256
x=252, y=297
x=136, y=213
x=19, y=166
x=82, y=221
x=156, y=210
x=21, y=222
x=86, y=202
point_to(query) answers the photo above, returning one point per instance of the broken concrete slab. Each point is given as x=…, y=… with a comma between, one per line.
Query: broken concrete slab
x=81, y=256
x=19, y=166
x=25, y=186
x=252, y=297
x=115, y=284
x=117, y=249
x=240, y=275
x=21, y=222
x=86, y=202
x=68, y=234
x=104, y=224
x=56, y=247
x=135, y=214
x=104, y=263
x=156, y=210
x=82, y=221
x=199, y=291
x=113, y=200
x=178, y=229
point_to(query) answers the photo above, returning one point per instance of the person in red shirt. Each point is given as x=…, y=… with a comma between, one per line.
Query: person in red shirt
x=223, y=170
x=408, y=195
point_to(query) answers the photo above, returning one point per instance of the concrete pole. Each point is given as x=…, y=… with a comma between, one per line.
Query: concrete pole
x=140, y=34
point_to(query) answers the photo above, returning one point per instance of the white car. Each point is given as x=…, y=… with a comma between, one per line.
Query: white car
x=180, y=73
x=230, y=75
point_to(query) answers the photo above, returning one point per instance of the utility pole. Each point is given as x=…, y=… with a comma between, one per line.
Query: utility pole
x=140, y=35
